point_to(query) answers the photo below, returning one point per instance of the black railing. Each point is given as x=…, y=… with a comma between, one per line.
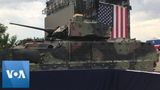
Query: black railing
x=54, y=6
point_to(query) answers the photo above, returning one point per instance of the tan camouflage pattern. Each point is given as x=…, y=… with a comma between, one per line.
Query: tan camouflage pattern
x=88, y=55
x=81, y=27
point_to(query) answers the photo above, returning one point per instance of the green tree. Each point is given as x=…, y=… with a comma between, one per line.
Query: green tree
x=5, y=40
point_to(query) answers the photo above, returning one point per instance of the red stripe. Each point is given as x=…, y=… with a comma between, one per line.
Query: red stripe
x=121, y=22
x=117, y=22
x=122, y=16
x=127, y=36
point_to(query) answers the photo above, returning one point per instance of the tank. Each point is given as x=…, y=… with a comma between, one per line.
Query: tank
x=84, y=44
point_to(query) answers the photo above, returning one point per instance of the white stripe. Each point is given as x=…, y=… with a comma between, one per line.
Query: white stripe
x=114, y=20
x=156, y=45
x=119, y=22
x=124, y=21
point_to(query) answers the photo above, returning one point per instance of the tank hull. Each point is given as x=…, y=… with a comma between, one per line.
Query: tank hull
x=88, y=55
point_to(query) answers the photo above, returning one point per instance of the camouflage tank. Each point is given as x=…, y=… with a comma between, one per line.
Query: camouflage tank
x=88, y=53
x=83, y=43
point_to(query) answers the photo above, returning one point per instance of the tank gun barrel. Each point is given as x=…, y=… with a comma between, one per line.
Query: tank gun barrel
x=41, y=29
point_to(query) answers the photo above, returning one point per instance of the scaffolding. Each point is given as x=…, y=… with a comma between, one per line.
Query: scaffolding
x=53, y=6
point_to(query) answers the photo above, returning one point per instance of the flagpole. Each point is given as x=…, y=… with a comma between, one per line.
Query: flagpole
x=129, y=26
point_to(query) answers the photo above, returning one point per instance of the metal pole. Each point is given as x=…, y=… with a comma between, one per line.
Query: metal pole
x=129, y=26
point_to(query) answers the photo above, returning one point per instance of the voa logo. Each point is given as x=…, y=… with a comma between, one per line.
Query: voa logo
x=15, y=74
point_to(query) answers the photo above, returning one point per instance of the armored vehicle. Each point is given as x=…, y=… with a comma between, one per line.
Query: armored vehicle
x=84, y=43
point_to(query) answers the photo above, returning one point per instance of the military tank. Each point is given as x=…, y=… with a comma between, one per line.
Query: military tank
x=79, y=50
x=85, y=44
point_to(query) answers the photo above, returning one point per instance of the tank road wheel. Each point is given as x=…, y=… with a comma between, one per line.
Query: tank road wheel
x=50, y=47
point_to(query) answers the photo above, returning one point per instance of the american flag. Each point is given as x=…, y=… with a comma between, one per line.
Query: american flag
x=114, y=16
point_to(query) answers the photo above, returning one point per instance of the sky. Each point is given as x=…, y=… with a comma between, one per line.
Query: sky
x=145, y=18
x=28, y=12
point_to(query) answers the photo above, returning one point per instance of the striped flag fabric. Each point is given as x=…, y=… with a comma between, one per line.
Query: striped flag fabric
x=114, y=16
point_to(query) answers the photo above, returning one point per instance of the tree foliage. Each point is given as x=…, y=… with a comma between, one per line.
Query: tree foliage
x=5, y=40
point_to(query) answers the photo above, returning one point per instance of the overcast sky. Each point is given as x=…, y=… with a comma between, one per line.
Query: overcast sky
x=27, y=12
x=145, y=18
